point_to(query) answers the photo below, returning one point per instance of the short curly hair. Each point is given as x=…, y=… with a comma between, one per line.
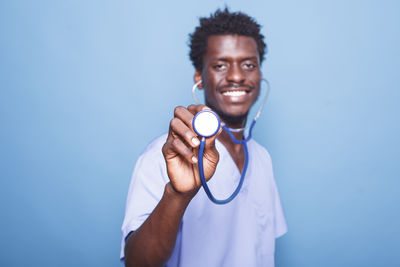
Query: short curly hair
x=220, y=23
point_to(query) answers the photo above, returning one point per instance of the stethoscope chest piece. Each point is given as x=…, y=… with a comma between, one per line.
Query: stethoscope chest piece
x=206, y=123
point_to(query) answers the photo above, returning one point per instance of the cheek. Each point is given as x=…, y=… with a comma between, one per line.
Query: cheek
x=213, y=77
x=211, y=86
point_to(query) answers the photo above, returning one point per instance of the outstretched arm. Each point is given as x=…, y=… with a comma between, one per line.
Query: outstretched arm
x=153, y=242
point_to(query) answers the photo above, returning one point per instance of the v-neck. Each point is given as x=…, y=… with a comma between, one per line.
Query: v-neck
x=220, y=144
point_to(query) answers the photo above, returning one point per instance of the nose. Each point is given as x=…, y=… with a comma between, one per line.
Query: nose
x=235, y=74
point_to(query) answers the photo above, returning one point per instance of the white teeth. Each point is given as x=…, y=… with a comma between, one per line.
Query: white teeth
x=234, y=93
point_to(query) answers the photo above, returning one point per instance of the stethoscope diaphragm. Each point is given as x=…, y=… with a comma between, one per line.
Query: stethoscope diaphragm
x=206, y=123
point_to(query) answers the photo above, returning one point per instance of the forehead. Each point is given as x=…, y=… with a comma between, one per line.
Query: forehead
x=231, y=46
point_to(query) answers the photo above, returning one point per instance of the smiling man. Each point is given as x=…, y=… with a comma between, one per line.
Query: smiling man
x=169, y=220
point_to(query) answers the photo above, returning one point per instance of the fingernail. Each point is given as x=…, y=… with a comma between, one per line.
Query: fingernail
x=194, y=159
x=195, y=141
x=206, y=108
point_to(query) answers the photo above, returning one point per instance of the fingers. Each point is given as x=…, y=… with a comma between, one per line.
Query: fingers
x=183, y=150
x=210, y=142
x=184, y=115
x=182, y=131
x=181, y=124
x=175, y=147
x=182, y=139
x=197, y=108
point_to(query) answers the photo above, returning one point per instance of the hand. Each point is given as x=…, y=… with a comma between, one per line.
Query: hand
x=181, y=149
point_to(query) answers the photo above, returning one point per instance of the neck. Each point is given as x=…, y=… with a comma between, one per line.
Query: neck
x=234, y=122
x=236, y=151
x=226, y=139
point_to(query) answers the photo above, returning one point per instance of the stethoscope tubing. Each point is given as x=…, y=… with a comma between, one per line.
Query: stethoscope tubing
x=236, y=141
x=204, y=182
x=244, y=171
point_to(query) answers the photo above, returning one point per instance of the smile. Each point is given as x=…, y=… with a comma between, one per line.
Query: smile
x=234, y=93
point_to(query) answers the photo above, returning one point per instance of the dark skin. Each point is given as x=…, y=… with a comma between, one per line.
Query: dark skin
x=230, y=77
x=231, y=63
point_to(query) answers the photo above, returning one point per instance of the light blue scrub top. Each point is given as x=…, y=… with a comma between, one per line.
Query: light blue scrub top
x=240, y=233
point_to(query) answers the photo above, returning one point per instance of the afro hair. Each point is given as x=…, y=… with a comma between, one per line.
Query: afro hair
x=222, y=23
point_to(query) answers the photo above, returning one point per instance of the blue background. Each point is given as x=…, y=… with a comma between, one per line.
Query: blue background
x=85, y=85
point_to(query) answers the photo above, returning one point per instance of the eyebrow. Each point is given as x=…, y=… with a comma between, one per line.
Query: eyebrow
x=250, y=58
x=226, y=58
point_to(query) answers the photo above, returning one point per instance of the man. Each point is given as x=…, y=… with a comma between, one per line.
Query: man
x=169, y=219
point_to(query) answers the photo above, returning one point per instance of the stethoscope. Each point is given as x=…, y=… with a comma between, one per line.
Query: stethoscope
x=207, y=123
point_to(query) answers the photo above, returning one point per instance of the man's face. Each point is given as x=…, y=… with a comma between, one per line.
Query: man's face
x=231, y=75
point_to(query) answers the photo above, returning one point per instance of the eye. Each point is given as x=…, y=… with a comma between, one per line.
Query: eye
x=249, y=66
x=220, y=67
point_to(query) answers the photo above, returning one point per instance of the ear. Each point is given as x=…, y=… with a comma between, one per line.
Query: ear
x=197, y=78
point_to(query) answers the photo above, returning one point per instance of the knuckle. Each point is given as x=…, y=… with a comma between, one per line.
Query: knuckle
x=199, y=108
x=174, y=122
x=189, y=135
x=187, y=153
x=177, y=110
x=202, y=107
x=176, y=143
x=164, y=148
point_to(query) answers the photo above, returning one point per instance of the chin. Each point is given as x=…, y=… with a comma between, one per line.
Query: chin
x=233, y=118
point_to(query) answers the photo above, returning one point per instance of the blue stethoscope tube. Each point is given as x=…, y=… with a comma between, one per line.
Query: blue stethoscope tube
x=243, y=142
x=246, y=163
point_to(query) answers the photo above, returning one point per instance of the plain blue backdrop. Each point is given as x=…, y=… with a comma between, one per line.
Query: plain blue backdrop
x=85, y=85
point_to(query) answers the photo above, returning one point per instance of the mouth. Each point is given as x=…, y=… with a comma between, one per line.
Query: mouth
x=235, y=90
x=235, y=93
x=235, y=99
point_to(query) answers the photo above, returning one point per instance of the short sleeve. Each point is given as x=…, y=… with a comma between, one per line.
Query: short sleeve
x=145, y=190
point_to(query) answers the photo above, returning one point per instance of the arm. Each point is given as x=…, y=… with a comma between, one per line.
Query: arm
x=153, y=242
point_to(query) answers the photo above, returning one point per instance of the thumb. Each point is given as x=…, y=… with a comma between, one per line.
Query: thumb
x=210, y=142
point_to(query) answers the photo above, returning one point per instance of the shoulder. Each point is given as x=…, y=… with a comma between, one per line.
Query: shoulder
x=151, y=159
x=154, y=147
x=150, y=169
x=256, y=148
